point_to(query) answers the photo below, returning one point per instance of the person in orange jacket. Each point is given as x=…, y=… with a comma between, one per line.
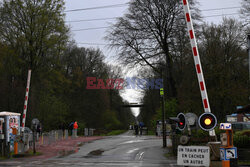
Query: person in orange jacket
x=75, y=126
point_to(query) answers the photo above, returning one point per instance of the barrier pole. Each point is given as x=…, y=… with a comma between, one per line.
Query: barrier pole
x=197, y=62
x=26, y=100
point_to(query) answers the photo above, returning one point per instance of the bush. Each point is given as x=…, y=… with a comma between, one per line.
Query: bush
x=80, y=130
x=243, y=132
x=170, y=111
x=115, y=132
x=241, y=141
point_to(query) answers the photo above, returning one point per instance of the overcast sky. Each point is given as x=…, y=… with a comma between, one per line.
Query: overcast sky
x=94, y=37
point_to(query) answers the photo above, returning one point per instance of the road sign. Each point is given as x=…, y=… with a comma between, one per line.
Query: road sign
x=161, y=91
x=193, y=156
x=226, y=126
x=222, y=153
x=230, y=153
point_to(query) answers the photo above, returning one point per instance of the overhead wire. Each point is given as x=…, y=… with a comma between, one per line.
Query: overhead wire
x=97, y=7
x=125, y=4
x=95, y=28
x=97, y=19
x=121, y=5
x=87, y=43
x=221, y=15
x=233, y=7
x=112, y=18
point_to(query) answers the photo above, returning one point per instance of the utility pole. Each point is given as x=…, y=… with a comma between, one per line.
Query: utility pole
x=248, y=41
x=163, y=115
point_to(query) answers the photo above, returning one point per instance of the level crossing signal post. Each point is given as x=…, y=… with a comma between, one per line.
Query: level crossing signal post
x=174, y=122
x=207, y=122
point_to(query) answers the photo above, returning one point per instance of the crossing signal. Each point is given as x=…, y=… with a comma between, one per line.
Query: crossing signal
x=182, y=121
x=207, y=121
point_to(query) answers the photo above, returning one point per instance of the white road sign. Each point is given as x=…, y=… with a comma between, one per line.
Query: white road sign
x=225, y=126
x=193, y=155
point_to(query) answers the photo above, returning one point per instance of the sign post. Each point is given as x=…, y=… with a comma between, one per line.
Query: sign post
x=227, y=151
x=164, y=140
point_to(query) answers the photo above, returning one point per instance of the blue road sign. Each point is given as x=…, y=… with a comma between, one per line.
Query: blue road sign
x=230, y=153
x=225, y=126
x=222, y=153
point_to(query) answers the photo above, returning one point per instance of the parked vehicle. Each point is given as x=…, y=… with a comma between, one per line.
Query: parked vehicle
x=27, y=130
x=27, y=135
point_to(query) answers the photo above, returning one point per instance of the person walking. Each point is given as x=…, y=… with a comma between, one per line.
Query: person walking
x=141, y=125
x=71, y=128
x=136, y=129
x=75, y=126
x=38, y=131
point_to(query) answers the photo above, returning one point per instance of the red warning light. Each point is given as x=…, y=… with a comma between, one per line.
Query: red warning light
x=182, y=121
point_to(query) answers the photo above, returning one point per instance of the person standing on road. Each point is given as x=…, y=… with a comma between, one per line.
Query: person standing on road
x=136, y=129
x=140, y=127
x=71, y=128
x=75, y=126
x=38, y=131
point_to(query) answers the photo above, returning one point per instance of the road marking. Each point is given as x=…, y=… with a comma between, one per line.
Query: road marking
x=132, y=141
x=133, y=150
x=141, y=156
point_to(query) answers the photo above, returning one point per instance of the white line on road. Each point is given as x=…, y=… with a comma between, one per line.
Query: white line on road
x=133, y=150
x=132, y=141
x=141, y=156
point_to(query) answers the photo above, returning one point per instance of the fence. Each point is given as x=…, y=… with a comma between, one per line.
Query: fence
x=43, y=139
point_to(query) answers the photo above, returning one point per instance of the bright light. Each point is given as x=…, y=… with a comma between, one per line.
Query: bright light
x=135, y=111
x=181, y=123
x=208, y=121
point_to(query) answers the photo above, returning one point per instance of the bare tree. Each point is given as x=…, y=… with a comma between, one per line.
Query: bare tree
x=245, y=11
x=146, y=35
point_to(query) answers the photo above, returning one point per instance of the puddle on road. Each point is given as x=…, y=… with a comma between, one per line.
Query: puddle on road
x=94, y=153
x=64, y=153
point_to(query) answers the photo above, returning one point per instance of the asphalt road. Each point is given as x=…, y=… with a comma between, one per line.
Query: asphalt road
x=123, y=150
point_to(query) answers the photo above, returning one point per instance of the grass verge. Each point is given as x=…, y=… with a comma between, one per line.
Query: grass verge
x=115, y=132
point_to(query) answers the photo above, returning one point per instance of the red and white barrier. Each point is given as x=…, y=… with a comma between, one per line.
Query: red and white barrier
x=197, y=60
x=26, y=100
